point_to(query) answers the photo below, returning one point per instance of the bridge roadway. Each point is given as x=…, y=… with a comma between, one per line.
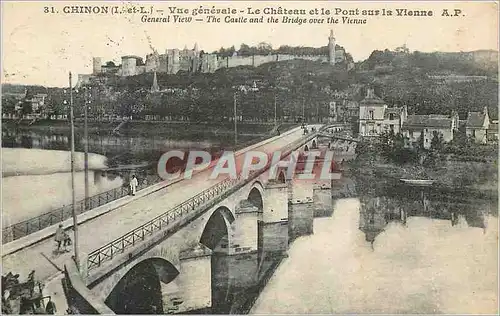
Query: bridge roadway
x=103, y=229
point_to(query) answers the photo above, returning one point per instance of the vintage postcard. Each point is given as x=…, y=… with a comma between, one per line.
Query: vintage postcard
x=249, y=157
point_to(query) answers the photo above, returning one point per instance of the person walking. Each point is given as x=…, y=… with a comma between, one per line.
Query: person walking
x=133, y=185
x=67, y=241
x=60, y=236
x=51, y=307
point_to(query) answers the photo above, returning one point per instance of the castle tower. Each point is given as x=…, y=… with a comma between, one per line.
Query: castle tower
x=175, y=60
x=331, y=48
x=155, y=87
x=96, y=65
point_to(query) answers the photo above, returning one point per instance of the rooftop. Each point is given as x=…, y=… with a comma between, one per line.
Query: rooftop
x=475, y=119
x=371, y=98
x=431, y=120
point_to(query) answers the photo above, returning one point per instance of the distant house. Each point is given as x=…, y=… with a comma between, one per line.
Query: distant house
x=428, y=126
x=375, y=116
x=38, y=101
x=492, y=132
x=477, y=125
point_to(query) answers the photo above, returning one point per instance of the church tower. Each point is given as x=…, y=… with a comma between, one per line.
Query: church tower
x=331, y=48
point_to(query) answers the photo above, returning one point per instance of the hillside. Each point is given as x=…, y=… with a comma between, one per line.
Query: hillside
x=434, y=82
x=482, y=62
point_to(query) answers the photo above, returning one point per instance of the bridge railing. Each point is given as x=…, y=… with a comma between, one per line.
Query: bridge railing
x=141, y=233
x=61, y=214
x=119, y=245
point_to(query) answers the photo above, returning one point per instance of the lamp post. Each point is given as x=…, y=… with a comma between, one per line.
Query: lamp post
x=86, y=146
x=275, y=111
x=235, y=120
x=75, y=223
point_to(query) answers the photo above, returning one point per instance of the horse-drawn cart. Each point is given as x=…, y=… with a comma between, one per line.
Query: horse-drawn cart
x=25, y=298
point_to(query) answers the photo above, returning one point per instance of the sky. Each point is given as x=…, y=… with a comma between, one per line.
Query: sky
x=41, y=48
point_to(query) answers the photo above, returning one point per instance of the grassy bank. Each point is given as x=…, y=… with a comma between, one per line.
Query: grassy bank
x=145, y=128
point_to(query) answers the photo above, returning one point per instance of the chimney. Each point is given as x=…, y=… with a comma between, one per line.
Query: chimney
x=485, y=110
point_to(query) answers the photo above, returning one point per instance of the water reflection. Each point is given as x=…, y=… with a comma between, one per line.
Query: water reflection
x=425, y=266
x=393, y=248
x=237, y=280
x=396, y=202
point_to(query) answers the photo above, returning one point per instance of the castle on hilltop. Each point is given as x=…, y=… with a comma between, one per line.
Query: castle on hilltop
x=194, y=60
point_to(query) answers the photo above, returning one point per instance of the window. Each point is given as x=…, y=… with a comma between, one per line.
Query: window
x=391, y=127
x=391, y=116
x=473, y=133
x=426, y=130
x=411, y=134
x=370, y=114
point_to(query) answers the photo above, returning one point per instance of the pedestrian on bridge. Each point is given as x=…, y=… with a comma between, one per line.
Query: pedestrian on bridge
x=60, y=236
x=133, y=185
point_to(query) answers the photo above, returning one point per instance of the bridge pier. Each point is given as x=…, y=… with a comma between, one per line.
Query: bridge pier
x=273, y=225
x=243, y=231
x=300, y=209
x=322, y=199
x=195, y=279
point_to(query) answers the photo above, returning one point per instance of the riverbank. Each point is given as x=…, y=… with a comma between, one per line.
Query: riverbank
x=145, y=128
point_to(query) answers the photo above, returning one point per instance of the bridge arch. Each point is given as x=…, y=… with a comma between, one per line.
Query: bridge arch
x=139, y=290
x=281, y=177
x=256, y=194
x=314, y=144
x=217, y=227
x=306, y=148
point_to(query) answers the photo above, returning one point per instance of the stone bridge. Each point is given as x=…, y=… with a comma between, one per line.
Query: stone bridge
x=235, y=217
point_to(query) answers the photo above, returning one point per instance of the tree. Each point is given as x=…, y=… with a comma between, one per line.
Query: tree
x=244, y=50
x=437, y=141
x=421, y=141
x=26, y=108
x=9, y=104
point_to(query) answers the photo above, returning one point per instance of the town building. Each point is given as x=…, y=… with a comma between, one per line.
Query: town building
x=477, y=125
x=376, y=117
x=492, y=132
x=426, y=126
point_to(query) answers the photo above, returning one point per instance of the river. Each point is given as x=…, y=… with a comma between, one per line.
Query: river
x=425, y=266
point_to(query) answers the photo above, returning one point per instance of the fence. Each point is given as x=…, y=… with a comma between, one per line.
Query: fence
x=141, y=233
x=45, y=220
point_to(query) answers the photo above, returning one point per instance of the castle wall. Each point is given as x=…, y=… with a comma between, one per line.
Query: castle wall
x=128, y=67
x=140, y=70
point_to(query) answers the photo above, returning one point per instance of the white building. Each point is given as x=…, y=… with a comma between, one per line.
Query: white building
x=427, y=126
x=375, y=116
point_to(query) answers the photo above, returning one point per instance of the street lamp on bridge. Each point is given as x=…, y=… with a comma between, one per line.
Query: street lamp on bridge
x=73, y=194
x=86, y=103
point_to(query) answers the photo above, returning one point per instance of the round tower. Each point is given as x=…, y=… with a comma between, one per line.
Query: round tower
x=96, y=65
x=331, y=48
